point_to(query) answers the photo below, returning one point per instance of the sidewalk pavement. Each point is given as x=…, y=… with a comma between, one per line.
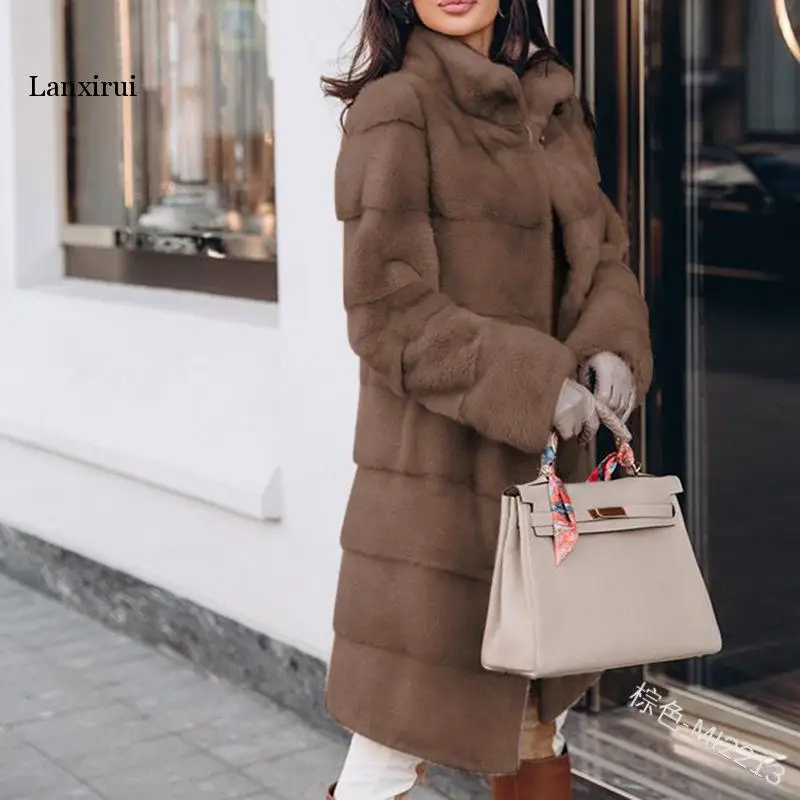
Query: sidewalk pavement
x=88, y=714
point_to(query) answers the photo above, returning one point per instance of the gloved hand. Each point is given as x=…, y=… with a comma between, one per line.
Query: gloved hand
x=611, y=380
x=575, y=412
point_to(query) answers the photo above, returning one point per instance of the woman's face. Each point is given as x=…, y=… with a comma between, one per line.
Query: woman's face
x=458, y=18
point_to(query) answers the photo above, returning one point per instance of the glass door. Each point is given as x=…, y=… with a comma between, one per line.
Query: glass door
x=698, y=107
x=723, y=190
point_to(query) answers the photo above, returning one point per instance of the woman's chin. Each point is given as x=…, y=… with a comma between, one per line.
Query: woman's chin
x=468, y=22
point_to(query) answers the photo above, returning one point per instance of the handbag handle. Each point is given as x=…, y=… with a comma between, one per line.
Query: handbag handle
x=622, y=438
x=614, y=424
x=565, y=523
x=623, y=456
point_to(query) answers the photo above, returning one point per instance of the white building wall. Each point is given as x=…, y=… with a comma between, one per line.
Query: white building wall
x=30, y=195
x=219, y=550
x=319, y=378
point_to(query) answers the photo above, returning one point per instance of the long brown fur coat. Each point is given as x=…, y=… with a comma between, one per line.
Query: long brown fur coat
x=482, y=265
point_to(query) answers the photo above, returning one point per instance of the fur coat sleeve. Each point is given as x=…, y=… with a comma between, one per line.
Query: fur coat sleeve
x=614, y=317
x=499, y=378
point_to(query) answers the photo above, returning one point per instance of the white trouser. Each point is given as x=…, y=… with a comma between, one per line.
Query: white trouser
x=375, y=772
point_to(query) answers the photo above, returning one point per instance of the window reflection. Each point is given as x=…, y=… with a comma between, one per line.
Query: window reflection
x=786, y=22
x=189, y=161
x=748, y=209
x=741, y=203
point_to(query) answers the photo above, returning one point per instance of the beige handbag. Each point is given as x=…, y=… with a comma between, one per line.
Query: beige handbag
x=607, y=580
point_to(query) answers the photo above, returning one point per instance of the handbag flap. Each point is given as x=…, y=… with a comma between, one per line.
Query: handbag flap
x=605, y=506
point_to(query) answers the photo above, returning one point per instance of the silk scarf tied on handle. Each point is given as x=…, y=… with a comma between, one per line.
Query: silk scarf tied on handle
x=565, y=523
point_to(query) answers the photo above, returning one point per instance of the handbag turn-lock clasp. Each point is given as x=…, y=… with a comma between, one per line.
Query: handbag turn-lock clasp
x=610, y=512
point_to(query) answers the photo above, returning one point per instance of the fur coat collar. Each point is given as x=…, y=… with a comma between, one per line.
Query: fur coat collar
x=488, y=90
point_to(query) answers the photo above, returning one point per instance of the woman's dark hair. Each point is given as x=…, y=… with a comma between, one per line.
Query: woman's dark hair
x=385, y=28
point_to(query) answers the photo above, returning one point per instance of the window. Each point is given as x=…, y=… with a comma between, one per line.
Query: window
x=169, y=144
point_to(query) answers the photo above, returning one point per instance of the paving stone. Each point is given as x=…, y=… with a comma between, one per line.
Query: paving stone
x=246, y=741
x=26, y=604
x=223, y=731
x=79, y=723
x=64, y=793
x=19, y=757
x=84, y=654
x=25, y=772
x=262, y=796
x=226, y=786
x=302, y=775
x=187, y=709
x=112, y=738
x=13, y=655
x=270, y=746
x=7, y=739
x=19, y=707
x=11, y=589
x=39, y=626
x=150, y=676
x=111, y=758
x=178, y=775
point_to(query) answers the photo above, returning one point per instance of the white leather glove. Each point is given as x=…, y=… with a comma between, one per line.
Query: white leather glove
x=612, y=382
x=575, y=414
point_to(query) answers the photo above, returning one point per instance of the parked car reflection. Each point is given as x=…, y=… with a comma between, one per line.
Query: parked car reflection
x=748, y=204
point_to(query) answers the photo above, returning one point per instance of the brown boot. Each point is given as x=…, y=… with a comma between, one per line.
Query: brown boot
x=539, y=779
x=422, y=770
x=541, y=775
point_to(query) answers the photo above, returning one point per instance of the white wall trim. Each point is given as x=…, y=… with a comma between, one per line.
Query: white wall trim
x=179, y=399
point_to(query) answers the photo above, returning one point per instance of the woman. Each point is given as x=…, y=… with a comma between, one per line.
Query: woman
x=484, y=272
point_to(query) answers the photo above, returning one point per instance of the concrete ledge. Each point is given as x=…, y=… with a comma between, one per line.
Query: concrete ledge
x=177, y=390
